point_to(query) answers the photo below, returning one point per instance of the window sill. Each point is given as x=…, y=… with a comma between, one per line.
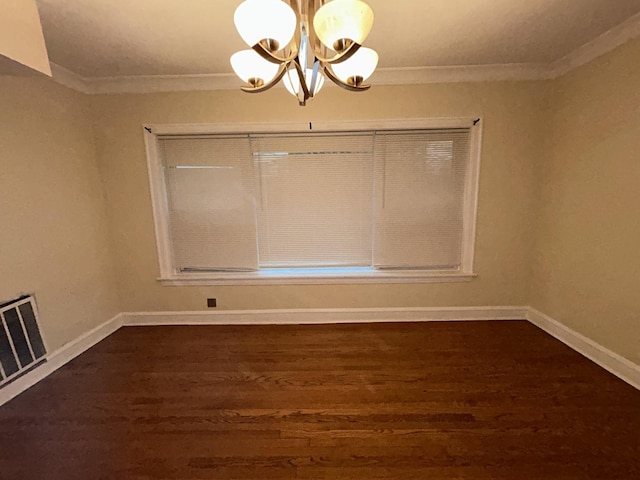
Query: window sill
x=300, y=276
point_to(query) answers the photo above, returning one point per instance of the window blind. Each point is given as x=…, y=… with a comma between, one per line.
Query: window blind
x=419, y=192
x=212, y=220
x=314, y=199
x=388, y=199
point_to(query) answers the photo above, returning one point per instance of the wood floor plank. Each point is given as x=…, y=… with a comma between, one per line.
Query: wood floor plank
x=443, y=400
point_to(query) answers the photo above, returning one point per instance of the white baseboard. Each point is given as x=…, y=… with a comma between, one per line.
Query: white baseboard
x=60, y=357
x=614, y=363
x=311, y=316
x=621, y=367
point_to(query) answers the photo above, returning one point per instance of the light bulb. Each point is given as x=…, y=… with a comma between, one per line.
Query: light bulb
x=265, y=19
x=343, y=19
x=252, y=68
x=292, y=81
x=357, y=68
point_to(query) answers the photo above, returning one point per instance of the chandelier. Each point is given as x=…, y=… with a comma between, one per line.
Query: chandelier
x=301, y=42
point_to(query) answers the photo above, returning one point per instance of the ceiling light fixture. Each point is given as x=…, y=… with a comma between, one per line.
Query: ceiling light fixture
x=303, y=41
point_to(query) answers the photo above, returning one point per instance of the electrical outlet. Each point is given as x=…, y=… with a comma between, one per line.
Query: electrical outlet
x=211, y=303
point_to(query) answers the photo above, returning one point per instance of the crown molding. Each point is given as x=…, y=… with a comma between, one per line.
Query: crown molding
x=385, y=76
x=584, y=54
x=162, y=83
x=461, y=73
x=69, y=79
x=608, y=41
x=142, y=83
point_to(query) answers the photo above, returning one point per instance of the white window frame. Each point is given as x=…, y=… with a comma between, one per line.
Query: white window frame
x=170, y=276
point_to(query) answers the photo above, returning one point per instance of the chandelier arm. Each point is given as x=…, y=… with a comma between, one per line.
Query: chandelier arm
x=303, y=80
x=297, y=36
x=295, y=6
x=341, y=57
x=352, y=88
x=266, y=86
x=261, y=50
x=315, y=73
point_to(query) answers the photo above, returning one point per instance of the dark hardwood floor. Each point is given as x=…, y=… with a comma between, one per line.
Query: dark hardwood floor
x=468, y=400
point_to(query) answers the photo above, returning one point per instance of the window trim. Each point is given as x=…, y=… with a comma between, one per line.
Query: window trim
x=169, y=275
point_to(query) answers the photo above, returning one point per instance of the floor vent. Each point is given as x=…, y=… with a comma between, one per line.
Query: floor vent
x=21, y=345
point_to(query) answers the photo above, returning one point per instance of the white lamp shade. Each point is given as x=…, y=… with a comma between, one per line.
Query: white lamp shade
x=292, y=81
x=260, y=19
x=340, y=19
x=248, y=64
x=361, y=64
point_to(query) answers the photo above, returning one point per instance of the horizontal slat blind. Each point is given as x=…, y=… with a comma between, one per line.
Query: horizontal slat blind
x=314, y=199
x=211, y=204
x=420, y=185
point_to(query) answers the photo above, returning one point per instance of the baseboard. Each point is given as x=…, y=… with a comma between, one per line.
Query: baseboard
x=614, y=363
x=611, y=361
x=59, y=358
x=314, y=316
x=619, y=366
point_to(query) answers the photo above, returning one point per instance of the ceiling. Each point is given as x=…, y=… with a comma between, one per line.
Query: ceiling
x=116, y=38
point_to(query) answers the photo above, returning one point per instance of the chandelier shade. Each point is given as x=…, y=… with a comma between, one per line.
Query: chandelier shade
x=302, y=42
x=341, y=20
x=252, y=68
x=291, y=80
x=258, y=20
x=357, y=68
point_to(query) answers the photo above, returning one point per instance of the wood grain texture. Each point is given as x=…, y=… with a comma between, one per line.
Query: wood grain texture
x=445, y=400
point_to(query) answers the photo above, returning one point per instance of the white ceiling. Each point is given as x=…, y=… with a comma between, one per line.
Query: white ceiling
x=113, y=38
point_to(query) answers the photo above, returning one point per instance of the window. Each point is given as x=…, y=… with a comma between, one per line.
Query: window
x=377, y=204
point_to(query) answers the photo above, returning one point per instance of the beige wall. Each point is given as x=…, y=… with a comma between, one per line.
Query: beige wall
x=586, y=263
x=21, y=38
x=504, y=238
x=557, y=221
x=53, y=240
